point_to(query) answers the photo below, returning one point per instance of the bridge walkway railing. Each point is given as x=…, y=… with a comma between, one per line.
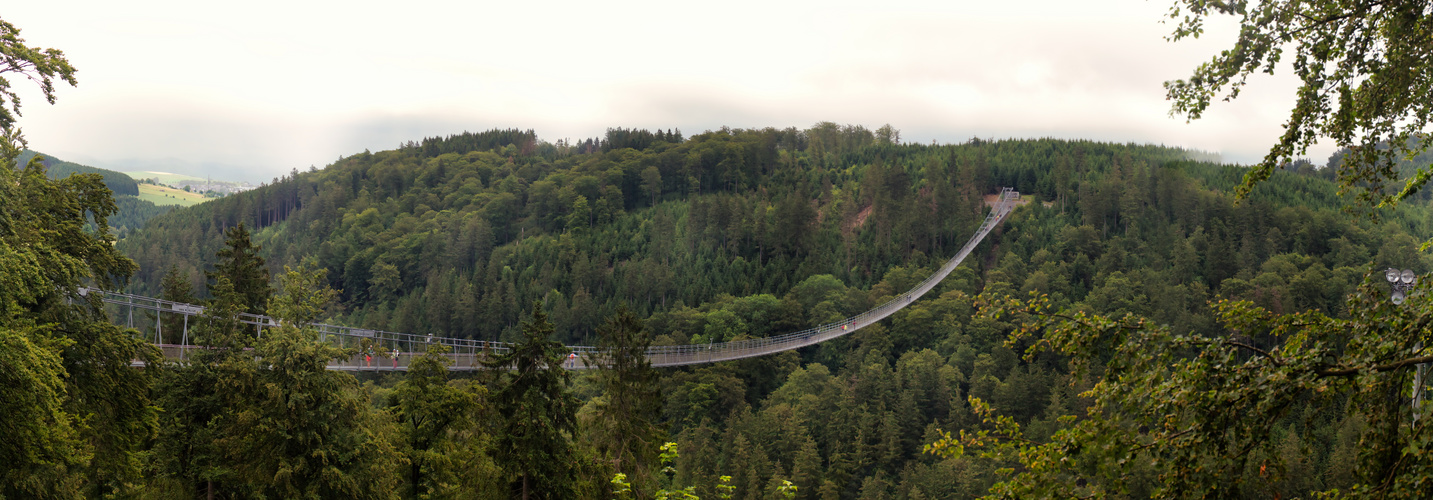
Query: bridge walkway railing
x=467, y=354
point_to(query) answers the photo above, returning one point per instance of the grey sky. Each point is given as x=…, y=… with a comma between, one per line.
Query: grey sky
x=253, y=89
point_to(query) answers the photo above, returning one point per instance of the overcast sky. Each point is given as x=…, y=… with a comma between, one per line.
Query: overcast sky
x=256, y=88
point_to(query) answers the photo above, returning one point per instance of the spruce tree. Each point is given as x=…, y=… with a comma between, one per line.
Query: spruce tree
x=297, y=429
x=198, y=390
x=539, y=412
x=435, y=420
x=626, y=430
x=239, y=261
x=175, y=287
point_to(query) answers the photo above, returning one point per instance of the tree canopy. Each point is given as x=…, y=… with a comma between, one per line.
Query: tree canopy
x=39, y=65
x=76, y=415
x=539, y=413
x=1180, y=343
x=1366, y=82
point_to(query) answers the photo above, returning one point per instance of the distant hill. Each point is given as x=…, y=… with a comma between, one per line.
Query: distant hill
x=116, y=181
x=134, y=208
x=163, y=177
x=186, y=189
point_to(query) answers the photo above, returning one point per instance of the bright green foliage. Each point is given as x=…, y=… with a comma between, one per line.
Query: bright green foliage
x=621, y=489
x=538, y=413
x=299, y=430
x=625, y=428
x=104, y=414
x=786, y=491
x=1365, y=76
x=437, y=421
x=42, y=449
x=385, y=281
x=725, y=489
x=239, y=261
x=1203, y=413
x=669, y=455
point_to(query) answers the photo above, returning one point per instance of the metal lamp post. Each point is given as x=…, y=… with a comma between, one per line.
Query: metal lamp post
x=1402, y=281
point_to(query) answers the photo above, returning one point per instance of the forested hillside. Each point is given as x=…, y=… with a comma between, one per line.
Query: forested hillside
x=118, y=182
x=736, y=233
x=132, y=212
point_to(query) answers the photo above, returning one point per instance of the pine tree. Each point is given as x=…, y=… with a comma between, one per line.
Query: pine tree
x=806, y=469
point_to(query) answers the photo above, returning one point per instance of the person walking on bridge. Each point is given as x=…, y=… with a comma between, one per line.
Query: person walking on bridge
x=395, y=358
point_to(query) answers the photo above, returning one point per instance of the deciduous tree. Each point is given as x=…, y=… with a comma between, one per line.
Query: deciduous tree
x=1201, y=411
x=1366, y=81
x=82, y=437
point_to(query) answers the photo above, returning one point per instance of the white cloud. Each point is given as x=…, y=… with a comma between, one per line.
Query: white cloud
x=274, y=85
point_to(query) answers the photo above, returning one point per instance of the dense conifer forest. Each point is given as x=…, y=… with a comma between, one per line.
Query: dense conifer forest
x=731, y=234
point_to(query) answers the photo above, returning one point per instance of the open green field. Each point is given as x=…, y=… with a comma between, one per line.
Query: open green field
x=161, y=195
x=163, y=177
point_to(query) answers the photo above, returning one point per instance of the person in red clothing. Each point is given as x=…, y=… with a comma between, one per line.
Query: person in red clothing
x=395, y=358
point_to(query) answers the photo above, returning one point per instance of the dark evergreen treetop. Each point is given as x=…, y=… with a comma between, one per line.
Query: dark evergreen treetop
x=239, y=261
x=524, y=140
x=627, y=428
x=539, y=412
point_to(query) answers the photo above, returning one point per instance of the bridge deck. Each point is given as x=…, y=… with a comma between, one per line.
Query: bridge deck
x=467, y=354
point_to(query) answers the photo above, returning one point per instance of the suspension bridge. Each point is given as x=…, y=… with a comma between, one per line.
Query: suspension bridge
x=467, y=354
